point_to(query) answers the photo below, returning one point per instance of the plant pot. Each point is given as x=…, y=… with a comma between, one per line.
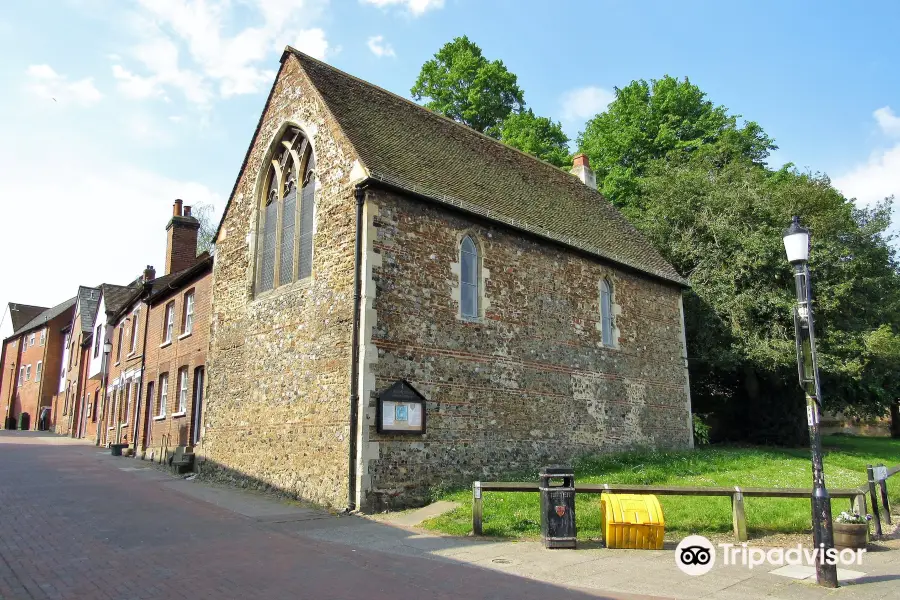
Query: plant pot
x=851, y=535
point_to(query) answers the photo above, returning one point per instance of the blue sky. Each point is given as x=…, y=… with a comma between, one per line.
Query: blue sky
x=113, y=108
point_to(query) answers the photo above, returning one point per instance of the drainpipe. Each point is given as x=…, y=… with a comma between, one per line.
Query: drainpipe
x=360, y=194
x=140, y=392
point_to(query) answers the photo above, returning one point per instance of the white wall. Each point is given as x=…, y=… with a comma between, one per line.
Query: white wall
x=96, y=366
x=6, y=329
x=65, y=362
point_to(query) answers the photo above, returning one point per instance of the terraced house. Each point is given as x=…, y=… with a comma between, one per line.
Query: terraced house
x=80, y=399
x=77, y=392
x=31, y=360
x=158, y=340
x=399, y=301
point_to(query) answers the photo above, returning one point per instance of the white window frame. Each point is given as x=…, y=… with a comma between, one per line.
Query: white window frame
x=182, y=392
x=38, y=370
x=128, y=391
x=188, y=322
x=163, y=397
x=135, y=318
x=21, y=375
x=43, y=336
x=31, y=340
x=170, y=322
x=28, y=372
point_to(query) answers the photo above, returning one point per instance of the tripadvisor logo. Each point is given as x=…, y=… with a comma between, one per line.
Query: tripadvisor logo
x=695, y=555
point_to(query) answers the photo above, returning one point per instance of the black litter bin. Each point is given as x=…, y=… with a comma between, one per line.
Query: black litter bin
x=558, y=506
x=10, y=423
x=24, y=421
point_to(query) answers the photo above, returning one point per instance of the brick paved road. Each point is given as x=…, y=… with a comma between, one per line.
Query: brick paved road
x=73, y=526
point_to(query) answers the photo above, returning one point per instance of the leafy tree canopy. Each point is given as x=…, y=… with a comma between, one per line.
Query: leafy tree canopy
x=460, y=83
x=650, y=121
x=205, y=214
x=722, y=227
x=538, y=136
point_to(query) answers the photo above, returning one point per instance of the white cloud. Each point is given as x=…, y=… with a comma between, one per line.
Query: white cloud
x=379, y=48
x=873, y=180
x=583, y=103
x=44, y=82
x=121, y=204
x=312, y=42
x=415, y=7
x=135, y=86
x=194, y=45
x=887, y=121
x=879, y=176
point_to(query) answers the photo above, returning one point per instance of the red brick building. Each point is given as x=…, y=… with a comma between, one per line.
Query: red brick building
x=158, y=349
x=175, y=361
x=31, y=359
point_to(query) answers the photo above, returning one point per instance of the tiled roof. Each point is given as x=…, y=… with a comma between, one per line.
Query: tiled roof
x=116, y=296
x=46, y=316
x=88, y=299
x=20, y=314
x=173, y=281
x=410, y=147
x=164, y=285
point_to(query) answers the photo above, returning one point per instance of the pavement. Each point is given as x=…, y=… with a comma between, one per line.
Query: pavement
x=78, y=523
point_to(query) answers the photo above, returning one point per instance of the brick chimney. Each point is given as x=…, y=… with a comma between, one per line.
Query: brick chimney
x=181, y=239
x=149, y=273
x=582, y=170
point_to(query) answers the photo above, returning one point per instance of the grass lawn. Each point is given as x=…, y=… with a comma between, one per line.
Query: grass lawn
x=518, y=514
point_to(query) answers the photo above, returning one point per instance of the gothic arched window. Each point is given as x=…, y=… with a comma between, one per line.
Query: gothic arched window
x=606, y=316
x=470, y=264
x=283, y=255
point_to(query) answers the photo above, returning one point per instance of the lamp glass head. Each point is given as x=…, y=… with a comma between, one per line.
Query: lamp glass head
x=796, y=242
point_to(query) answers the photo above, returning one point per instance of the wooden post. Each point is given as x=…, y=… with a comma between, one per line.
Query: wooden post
x=738, y=516
x=870, y=475
x=476, y=508
x=859, y=504
x=882, y=482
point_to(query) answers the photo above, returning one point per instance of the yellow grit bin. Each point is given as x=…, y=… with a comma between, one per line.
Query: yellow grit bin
x=632, y=521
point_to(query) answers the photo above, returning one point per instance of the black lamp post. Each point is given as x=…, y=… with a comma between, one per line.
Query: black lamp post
x=796, y=245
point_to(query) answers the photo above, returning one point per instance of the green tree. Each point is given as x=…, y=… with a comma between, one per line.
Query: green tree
x=883, y=350
x=659, y=119
x=205, y=213
x=460, y=83
x=722, y=226
x=538, y=136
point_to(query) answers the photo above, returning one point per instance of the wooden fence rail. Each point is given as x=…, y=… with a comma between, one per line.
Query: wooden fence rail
x=857, y=496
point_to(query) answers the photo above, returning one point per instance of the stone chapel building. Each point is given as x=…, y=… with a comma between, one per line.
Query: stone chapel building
x=401, y=302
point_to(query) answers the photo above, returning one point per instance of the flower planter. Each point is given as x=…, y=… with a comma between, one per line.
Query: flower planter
x=851, y=535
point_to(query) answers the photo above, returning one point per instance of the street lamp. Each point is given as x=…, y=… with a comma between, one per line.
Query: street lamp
x=796, y=245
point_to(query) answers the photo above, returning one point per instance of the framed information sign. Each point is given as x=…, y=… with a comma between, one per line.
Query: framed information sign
x=401, y=409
